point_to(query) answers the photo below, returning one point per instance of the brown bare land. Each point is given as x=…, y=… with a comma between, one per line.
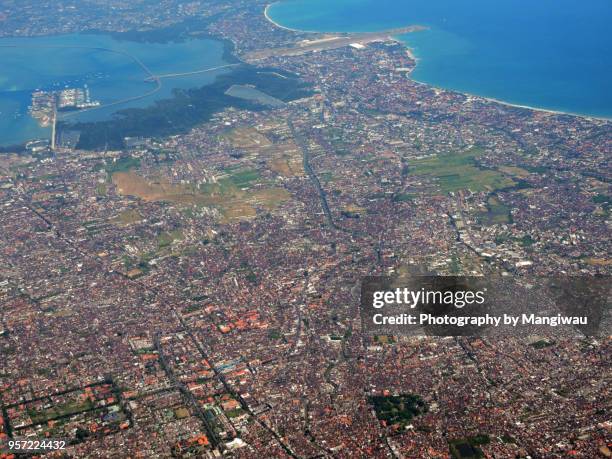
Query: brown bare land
x=132, y=184
x=287, y=161
x=598, y=262
x=247, y=138
x=233, y=203
x=284, y=158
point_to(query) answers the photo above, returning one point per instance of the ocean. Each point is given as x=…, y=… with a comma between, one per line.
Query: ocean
x=549, y=54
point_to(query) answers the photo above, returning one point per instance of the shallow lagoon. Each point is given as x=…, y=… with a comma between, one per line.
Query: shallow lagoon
x=102, y=62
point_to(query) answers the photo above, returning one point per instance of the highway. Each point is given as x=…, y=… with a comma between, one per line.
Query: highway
x=299, y=140
x=195, y=72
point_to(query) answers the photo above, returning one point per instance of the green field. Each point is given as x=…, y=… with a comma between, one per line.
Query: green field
x=497, y=212
x=166, y=239
x=122, y=164
x=235, y=180
x=65, y=409
x=244, y=178
x=454, y=172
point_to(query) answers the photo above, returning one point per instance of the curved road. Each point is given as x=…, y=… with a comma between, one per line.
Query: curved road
x=150, y=76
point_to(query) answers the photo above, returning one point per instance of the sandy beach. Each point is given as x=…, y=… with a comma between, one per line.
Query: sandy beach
x=546, y=111
x=267, y=15
x=411, y=54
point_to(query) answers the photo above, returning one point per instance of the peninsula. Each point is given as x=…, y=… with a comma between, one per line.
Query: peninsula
x=327, y=42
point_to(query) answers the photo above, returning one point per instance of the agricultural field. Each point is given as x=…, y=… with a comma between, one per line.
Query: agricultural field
x=454, y=172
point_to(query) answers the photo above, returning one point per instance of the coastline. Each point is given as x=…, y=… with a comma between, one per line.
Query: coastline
x=413, y=56
x=410, y=51
x=267, y=15
x=548, y=111
x=228, y=56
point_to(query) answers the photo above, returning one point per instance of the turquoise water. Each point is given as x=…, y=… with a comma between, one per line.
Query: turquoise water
x=68, y=60
x=552, y=54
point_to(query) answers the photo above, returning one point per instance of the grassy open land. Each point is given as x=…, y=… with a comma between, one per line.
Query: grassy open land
x=403, y=197
x=514, y=171
x=384, y=339
x=235, y=195
x=236, y=412
x=326, y=177
x=247, y=138
x=71, y=407
x=454, y=172
x=166, y=239
x=283, y=158
x=602, y=201
x=352, y=211
x=101, y=189
x=123, y=164
x=497, y=212
x=127, y=217
x=598, y=261
x=286, y=160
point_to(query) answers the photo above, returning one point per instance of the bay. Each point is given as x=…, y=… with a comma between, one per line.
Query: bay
x=108, y=66
x=549, y=54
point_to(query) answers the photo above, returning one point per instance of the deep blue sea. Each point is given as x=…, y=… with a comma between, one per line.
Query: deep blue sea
x=551, y=54
x=56, y=62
